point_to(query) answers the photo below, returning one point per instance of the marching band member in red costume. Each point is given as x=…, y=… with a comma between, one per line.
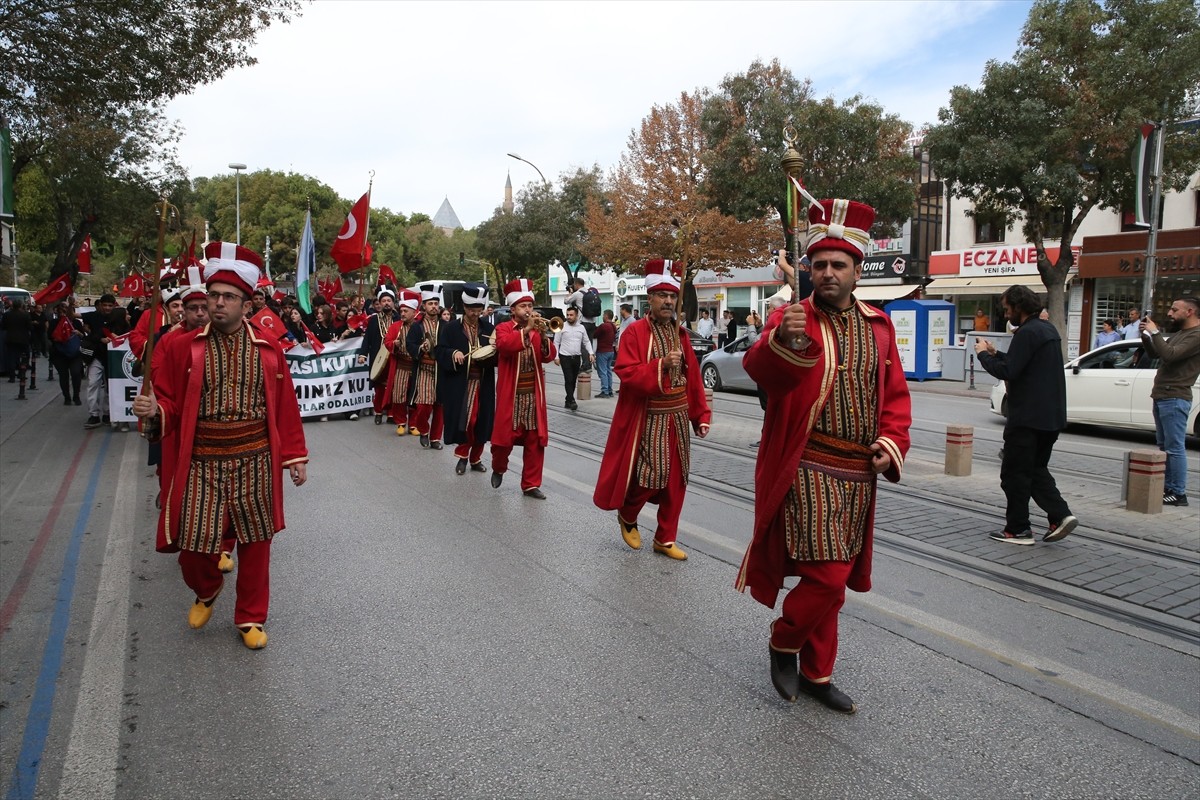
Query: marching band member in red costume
x=647, y=457
x=421, y=340
x=400, y=367
x=225, y=392
x=838, y=413
x=522, y=348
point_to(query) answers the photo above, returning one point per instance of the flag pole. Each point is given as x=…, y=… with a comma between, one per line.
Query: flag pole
x=366, y=235
x=155, y=297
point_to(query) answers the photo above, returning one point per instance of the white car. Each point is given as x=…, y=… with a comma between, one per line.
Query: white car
x=1110, y=386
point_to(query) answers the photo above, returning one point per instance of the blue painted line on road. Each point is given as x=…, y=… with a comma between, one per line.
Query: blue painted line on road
x=37, y=726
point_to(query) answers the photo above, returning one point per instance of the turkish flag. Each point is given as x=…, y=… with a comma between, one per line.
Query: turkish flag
x=84, y=259
x=386, y=275
x=350, y=245
x=134, y=286
x=337, y=285
x=58, y=289
x=368, y=253
x=356, y=322
x=313, y=342
x=268, y=321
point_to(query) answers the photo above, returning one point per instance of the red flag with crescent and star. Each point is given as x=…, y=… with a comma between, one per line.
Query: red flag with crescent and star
x=134, y=286
x=386, y=275
x=268, y=321
x=350, y=246
x=84, y=259
x=356, y=322
x=58, y=289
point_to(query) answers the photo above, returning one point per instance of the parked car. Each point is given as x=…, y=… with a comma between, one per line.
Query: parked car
x=722, y=369
x=700, y=345
x=1110, y=386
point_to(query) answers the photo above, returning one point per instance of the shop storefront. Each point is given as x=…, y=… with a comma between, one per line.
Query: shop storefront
x=885, y=278
x=1113, y=270
x=973, y=279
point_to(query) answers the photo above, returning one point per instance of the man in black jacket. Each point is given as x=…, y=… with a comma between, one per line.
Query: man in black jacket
x=1037, y=411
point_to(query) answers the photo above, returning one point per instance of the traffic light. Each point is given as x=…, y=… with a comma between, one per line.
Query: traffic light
x=462, y=258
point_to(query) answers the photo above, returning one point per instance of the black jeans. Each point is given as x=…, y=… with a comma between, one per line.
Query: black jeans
x=570, y=367
x=70, y=373
x=1024, y=473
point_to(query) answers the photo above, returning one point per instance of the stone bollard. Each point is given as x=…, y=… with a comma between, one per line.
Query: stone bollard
x=960, y=449
x=1144, y=484
x=708, y=396
x=583, y=386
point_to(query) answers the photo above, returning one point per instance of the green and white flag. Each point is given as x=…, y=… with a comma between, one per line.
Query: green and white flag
x=306, y=264
x=1143, y=166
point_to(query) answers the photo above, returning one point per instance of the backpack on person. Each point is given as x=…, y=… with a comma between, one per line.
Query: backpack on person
x=591, y=304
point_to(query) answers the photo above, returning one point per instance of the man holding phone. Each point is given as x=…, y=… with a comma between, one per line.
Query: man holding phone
x=1172, y=393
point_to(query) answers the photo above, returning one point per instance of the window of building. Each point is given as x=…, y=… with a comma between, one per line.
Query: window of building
x=989, y=228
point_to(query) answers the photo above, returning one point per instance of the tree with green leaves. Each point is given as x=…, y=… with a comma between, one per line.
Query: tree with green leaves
x=1047, y=136
x=82, y=86
x=851, y=149
x=546, y=225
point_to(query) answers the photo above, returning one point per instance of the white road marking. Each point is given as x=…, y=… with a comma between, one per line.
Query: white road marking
x=90, y=765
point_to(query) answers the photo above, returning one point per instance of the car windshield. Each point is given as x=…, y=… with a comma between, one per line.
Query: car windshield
x=1132, y=357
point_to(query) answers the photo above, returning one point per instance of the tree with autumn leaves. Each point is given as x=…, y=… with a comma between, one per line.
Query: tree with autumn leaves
x=656, y=204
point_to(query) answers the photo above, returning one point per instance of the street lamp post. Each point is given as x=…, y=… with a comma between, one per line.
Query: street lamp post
x=237, y=180
x=547, y=185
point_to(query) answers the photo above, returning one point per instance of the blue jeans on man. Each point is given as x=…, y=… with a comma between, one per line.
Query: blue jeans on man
x=604, y=365
x=1170, y=429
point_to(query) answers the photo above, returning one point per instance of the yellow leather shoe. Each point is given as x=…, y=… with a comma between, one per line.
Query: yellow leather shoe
x=630, y=533
x=414, y=432
x=201, y=611
x=401, y=430
x=670, y=551
x=225, y=564
x=253, y=636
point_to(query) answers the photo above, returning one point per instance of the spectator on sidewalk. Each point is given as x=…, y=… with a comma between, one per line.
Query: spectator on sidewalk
x=1133, y=329
x=627, y=319
x=723, y=329
x=572, y=344
x=606, y=352
x=1172, y=392
x=1108, y=334
x=704, y=325
x=17, y=326
x=1037, y=411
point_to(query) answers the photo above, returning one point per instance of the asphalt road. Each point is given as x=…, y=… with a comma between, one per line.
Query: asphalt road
x=432, y=637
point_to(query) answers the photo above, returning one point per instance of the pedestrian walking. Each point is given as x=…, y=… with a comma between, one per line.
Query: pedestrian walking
x=839, y=414
x=17, y=325
x=1179, y=366
x=648, y=453
x=574, y=346
x=226, y=394
x=66, y=338
x=1037, y=411
x=523, y=346
x=606, y=352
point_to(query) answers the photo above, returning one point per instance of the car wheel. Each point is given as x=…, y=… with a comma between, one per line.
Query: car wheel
x=712, y=378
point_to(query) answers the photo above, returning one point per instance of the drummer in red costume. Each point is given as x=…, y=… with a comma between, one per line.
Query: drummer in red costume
x=522, y=347
x=647, y=456
x=838, y=414
x=400, y=366
x=226, y=394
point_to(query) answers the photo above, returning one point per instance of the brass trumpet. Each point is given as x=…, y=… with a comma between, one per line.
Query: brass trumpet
x=556, y=324
x=539, y=322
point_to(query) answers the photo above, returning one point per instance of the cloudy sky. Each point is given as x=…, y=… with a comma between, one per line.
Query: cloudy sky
x=431, y=96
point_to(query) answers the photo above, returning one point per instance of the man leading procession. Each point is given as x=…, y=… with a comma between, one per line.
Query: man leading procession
x=400, y=365
x=225, y=392
x=466, y=358
x=376, y=336
x=838, y=410
x=646, y=459
x=421, y=340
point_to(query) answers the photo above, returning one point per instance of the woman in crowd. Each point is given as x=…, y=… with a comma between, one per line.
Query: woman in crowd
x=1108, y=334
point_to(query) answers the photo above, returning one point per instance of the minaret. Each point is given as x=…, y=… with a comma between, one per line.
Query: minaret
x=508, y=201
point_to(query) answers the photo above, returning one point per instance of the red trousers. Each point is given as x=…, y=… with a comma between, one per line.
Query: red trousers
x=201, y=575
x=533, y=458
x=422, y=414
x=471, y=449
x=382, y=398
x=809, y=619
x=669, y=500
x=398, y=412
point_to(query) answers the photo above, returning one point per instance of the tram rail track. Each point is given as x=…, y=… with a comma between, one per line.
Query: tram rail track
x=946, y=559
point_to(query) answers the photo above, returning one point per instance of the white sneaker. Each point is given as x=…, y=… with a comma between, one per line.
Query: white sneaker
x=354, y=415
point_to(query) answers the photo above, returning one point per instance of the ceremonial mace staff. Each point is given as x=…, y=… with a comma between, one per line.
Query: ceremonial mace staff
x=155, y=296
x=796, y=194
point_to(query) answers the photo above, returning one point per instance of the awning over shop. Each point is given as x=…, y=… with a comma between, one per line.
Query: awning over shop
x=868, y=292
x=991, y=285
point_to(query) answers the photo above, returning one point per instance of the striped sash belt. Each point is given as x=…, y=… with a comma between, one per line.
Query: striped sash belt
x=840, y=458
x=216, y=441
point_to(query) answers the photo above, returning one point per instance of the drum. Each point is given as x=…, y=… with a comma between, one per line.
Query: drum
x=483, y=353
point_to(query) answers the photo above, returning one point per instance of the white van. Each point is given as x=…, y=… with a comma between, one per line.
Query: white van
x=13, y=293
